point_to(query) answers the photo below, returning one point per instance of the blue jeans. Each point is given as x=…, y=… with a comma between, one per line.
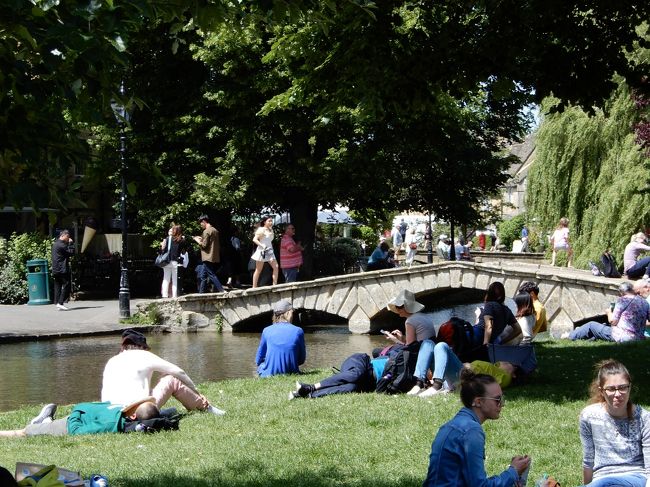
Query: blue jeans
x=446, y=365
x=592, y=331
x=356, y=375
x=210, y=270
x=639, y=269
x=523, y=356
x=629, y=480
x=291, y=275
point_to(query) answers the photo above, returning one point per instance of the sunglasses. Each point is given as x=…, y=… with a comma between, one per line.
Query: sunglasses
x=500, y=400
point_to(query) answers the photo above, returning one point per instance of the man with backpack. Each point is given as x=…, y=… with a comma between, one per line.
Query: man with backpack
x=391, y=373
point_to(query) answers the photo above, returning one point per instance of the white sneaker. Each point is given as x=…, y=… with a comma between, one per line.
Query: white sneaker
x=431, y=391
x=48, y=411
x=62, y=307
x=216, y=411
x=415, y=390
x=564, y=335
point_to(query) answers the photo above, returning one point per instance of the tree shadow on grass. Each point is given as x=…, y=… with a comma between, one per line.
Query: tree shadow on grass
x=255, y=474
x=565, y=369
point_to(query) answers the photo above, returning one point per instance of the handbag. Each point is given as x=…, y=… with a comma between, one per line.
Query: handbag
x=413, y=245
x=163, y=259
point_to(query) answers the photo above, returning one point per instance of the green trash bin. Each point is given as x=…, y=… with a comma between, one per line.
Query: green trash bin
x=38, y=282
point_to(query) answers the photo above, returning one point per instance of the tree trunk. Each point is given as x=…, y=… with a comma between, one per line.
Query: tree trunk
x=303, y=216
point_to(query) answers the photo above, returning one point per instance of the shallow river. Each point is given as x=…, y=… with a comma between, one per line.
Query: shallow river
x=69, y=370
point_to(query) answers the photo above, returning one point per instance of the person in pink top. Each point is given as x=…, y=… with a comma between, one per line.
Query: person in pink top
x=290, y=254
x=632, y=267
x=560, y=241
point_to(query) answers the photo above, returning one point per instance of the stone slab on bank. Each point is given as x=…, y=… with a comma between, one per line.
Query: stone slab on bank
x=25, y=322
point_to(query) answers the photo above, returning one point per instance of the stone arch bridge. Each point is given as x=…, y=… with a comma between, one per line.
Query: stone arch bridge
x=569, y=295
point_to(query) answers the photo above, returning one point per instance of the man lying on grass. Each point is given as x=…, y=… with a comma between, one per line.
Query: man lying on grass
x=89, y=418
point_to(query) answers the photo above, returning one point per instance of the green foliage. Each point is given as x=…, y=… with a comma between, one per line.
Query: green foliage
x=510, y=230
x=336, y=257
x=370, y=237
x=13, y=270
x=589, y=169
x=150, y=316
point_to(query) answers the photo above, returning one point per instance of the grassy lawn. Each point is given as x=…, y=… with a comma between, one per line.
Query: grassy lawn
x=354, y=439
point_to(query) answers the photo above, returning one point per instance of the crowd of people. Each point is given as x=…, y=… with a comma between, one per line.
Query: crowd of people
x=478, y=360
x=215, y=261
x=459, y=357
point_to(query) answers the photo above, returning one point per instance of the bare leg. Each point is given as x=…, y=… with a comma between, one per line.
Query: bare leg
x=12, y=433
x=569, y=254
x=553, y=257
x=259, y=265
x=276, y=270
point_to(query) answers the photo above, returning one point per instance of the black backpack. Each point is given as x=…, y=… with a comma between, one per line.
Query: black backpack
x=609, y=265
x=398, y=371
x=152, y=425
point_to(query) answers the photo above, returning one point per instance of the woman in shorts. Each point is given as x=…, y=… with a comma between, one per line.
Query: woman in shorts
x=560, y=241
x=263, y=238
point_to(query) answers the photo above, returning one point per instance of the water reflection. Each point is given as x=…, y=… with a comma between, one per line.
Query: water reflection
x=69, y=370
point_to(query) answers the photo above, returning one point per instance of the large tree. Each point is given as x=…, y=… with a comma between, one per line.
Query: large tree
x=590, y=169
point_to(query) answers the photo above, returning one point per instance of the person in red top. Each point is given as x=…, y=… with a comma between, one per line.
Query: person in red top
x=290, y=254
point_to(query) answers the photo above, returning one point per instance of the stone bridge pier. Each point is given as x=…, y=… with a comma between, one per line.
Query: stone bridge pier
x=569, y=295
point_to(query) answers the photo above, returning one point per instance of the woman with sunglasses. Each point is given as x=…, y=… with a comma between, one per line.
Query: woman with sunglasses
x=615, y=433
x=458, y=452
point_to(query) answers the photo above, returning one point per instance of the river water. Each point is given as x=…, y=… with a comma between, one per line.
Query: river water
x=69, y=370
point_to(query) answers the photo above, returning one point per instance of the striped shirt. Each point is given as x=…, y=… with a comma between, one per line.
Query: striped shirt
x=289, y=259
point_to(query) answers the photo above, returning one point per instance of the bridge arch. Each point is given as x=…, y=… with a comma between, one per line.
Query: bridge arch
x=569, y=295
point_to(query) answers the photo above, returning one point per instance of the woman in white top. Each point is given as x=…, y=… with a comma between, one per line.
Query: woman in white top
x=418, y=326
x=411, y=246
x=526, y=319
x=263, y=238
x=615, y=433
x=560, y=241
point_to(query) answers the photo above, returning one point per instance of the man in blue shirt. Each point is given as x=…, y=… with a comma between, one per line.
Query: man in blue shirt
x=282, y=347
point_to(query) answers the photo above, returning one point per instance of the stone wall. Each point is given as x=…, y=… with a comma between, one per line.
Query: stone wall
x=569, y=295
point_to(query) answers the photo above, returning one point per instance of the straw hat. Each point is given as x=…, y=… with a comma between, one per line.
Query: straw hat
x=405, y=299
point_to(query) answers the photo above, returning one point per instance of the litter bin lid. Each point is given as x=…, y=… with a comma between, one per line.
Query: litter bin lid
x=37, y=262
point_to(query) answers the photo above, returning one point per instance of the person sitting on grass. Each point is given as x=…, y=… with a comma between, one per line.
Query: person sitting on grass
x=87, y=418
x=526, y=318
x=443, y=361
x=458, y=452
x=494, y=317
x=628, y=320
x=541, y=323
x=127, y=377
x=282, y=346
x=418, y=326
x=615, y=433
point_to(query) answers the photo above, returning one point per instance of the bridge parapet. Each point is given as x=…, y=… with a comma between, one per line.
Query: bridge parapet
x=569, y=295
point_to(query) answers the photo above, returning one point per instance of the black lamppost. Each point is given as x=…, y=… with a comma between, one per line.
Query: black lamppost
x=430, y=242
x=122, y=116
x=452, y=247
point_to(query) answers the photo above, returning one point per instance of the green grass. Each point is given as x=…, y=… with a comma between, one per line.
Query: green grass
x=354, y=439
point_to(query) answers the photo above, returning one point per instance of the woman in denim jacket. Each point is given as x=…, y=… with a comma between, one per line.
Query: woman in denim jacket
x=458, y=452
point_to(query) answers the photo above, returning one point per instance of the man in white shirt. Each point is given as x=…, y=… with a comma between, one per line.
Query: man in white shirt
x=127, y=377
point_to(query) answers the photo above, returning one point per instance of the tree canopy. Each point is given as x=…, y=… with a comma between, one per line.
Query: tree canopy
x=404, y=104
